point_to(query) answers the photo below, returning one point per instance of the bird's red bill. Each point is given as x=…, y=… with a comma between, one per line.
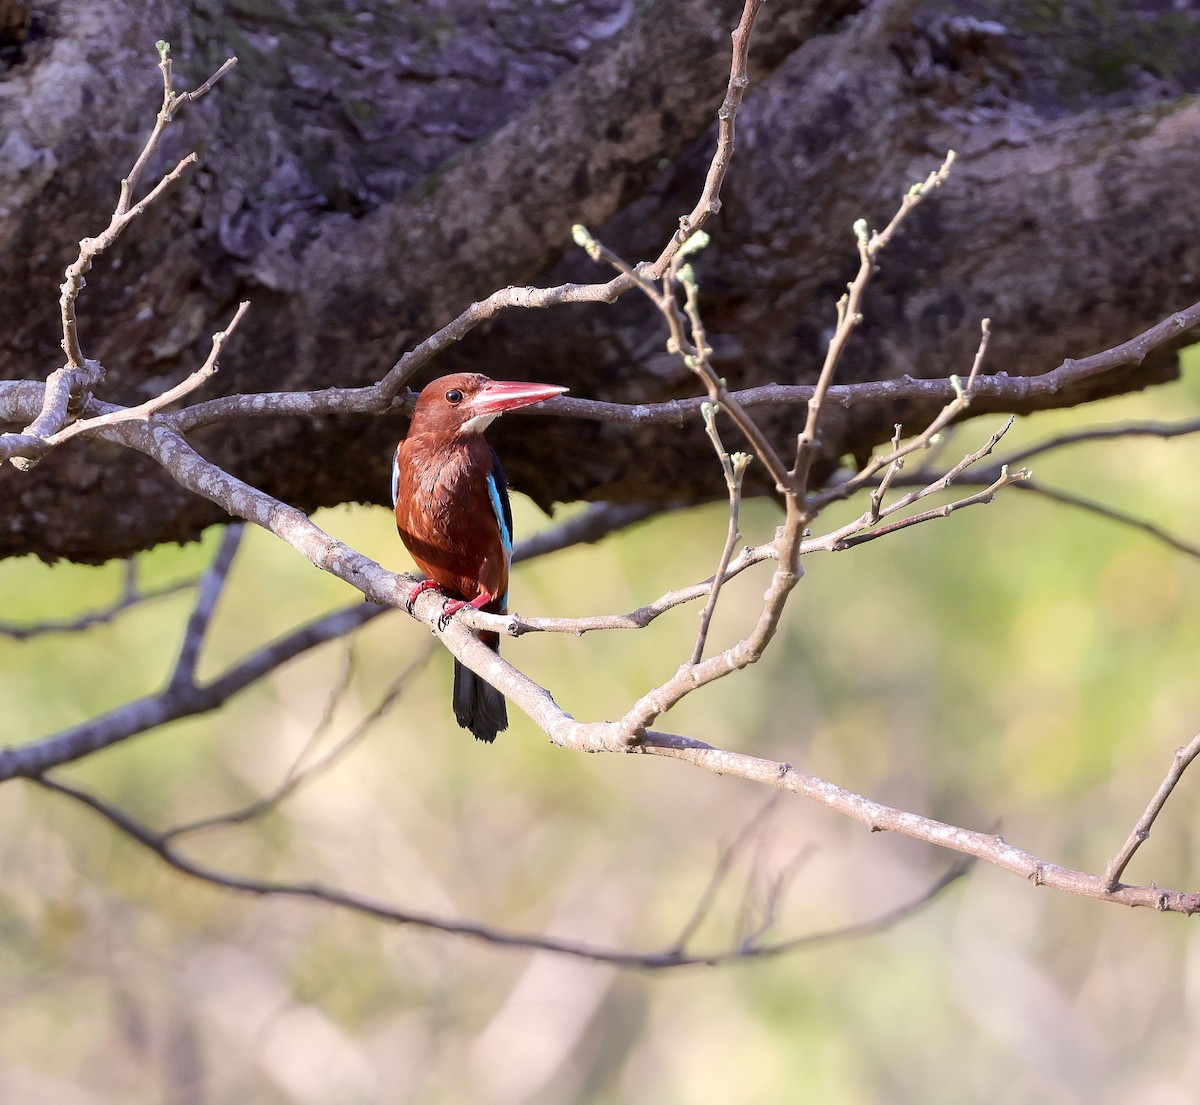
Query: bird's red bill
x=498, y=396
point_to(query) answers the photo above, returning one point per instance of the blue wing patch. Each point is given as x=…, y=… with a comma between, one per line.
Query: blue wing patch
x=497, y=486
x=395, y=477
x=501, y=507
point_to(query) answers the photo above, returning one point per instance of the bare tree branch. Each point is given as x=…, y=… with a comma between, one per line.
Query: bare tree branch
x=671, y=958
x=867, y=528
x=849, y=310
x=162, y=437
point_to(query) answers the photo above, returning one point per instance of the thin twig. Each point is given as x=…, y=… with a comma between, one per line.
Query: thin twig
x=866, y=527
x=709, y=203
x=131, y=596
x=850, y=315
x=875, y=512
x=985, y=327
x=1005, y=479
x=734, y=468
x=300, y=774
x=517, y=624
x=725, y=861
x=1141, y=831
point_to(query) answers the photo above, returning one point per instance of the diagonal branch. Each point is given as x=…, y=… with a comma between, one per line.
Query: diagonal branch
x=1070, y=498
x=878, y=817
x=849, y=315
x=182, y=697
x=1141, y=831
x=1163, y=430
x=212, y=586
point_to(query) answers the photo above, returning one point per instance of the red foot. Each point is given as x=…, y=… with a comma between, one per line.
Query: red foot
x=453, y=606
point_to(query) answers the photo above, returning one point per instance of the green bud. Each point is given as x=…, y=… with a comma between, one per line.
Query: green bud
x=694, y=244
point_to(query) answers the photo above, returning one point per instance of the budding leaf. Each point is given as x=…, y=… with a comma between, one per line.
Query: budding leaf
x=694, y=244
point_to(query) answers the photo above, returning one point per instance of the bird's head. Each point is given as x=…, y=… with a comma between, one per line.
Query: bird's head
x=466, y=402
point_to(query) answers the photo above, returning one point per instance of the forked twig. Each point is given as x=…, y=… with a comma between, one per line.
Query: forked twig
x=69, y=383
x=151, y=406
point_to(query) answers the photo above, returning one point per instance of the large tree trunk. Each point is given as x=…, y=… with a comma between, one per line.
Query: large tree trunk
x=366, y=175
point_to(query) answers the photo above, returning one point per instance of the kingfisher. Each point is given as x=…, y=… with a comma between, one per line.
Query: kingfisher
x=454, y=516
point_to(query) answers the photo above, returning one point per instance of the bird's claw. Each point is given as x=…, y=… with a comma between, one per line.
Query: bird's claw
x=449, y=609
x=423, y=586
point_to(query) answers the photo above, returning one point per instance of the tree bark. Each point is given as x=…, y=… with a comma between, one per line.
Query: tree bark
x=366, y=175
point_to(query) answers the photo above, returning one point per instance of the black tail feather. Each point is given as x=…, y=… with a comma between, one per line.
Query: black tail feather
x=478, y=706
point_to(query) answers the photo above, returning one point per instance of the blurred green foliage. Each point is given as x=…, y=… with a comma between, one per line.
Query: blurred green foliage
x=1027, y=666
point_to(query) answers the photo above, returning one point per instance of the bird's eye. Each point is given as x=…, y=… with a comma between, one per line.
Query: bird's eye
x=454, y=396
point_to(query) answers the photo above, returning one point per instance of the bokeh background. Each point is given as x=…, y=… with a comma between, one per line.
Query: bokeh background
x=1024, y=666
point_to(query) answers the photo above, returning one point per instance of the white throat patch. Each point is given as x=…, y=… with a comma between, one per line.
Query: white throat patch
x=478, y=424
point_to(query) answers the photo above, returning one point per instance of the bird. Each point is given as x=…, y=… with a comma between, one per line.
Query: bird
x=453, y=513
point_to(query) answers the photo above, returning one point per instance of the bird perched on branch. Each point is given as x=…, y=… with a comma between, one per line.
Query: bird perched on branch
x=453, y=513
